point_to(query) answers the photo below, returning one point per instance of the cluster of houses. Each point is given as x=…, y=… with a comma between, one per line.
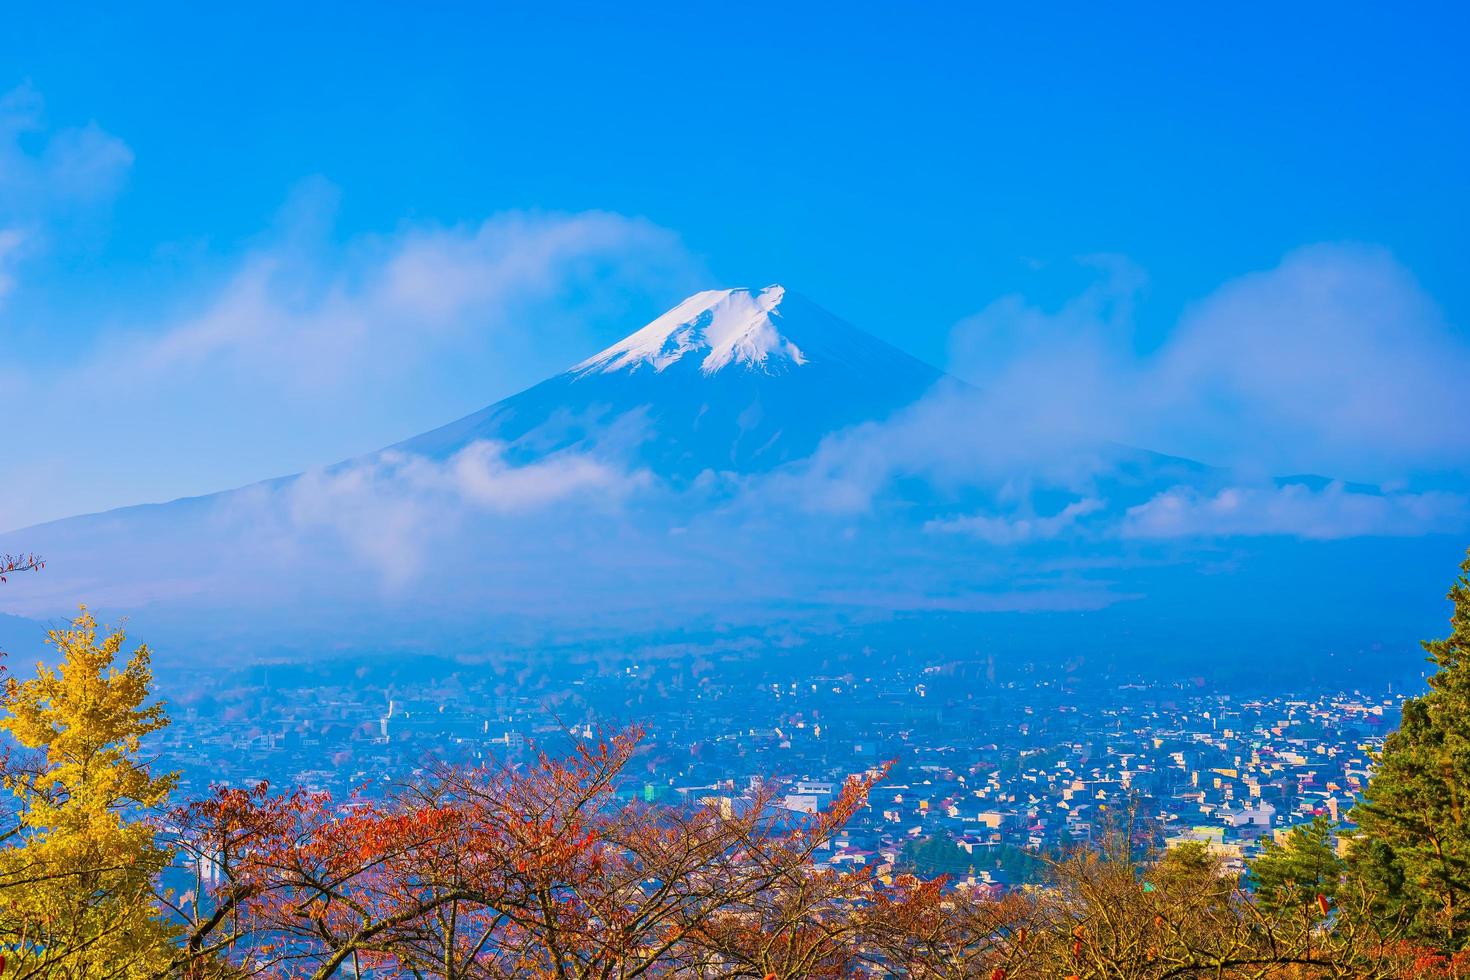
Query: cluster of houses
x=990, y=769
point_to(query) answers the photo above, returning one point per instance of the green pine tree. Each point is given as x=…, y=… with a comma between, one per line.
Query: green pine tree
x=1292, y=872
x=1413, y=847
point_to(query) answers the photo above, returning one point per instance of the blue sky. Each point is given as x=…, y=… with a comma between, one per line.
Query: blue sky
x=202, y=204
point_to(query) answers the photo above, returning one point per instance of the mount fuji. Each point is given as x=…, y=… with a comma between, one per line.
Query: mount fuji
x=735, y=379
x=747, y=472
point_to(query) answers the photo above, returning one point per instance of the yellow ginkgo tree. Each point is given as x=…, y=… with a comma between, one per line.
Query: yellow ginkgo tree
x=77, y=879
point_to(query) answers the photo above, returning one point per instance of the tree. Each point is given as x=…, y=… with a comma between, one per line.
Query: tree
x=1413, y=847
x=9, y=564
x=931, y=856
x=919, y=929
x=1103, y=915
x=1292, y=873
x=1187, y=859
x=541, y=870
x=535, y=870
x=76, y=884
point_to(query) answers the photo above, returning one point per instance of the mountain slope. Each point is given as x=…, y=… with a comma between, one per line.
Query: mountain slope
x=745, y=467
x=734, y=379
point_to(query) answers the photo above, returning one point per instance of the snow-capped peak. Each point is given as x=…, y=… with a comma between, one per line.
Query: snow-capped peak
x=723, y=327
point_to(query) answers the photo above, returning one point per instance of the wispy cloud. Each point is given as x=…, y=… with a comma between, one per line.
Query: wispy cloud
x=12, y=242
x=48, y=176
x=300, y=317
x=1329, y=513
x=335, y=348
x=1017, y=529
x=392, y=509
x=953, y=439
x=1335, y=361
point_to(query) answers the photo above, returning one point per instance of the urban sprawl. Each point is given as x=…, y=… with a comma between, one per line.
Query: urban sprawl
x=985, y=775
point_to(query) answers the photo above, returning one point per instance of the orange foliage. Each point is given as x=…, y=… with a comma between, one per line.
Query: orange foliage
x=539, y=870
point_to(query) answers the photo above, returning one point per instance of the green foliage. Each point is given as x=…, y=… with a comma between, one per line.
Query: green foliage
x=1188, y=858
x=1291, y=873
x=1377, y=873
x=929, y=856
x=1415, y=834
x=76, y=886
x=1191, y=866
x=932, y=856
x=81, y=864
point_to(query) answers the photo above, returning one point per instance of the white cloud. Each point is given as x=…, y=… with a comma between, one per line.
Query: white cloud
x=51, y=179
x=1295, y=510
x=1335, y=361
x=58, y=169
x=305, y=320
x=953, y=438
x=1011, y=530
x=12, y=244
x=83, y=165
x=392, y=510
x=312, y=350
x=480, y=475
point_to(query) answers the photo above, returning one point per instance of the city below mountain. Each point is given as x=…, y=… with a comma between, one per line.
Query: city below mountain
x=417, y=562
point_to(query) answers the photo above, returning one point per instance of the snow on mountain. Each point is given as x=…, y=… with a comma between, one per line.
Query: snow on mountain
x=719, y=470
x=734, y=379
x=730, y=328
x=583, y=497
